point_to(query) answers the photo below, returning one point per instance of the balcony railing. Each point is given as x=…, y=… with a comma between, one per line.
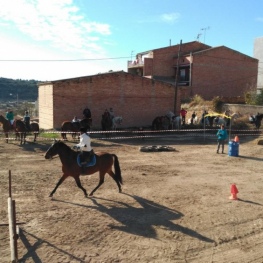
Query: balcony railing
x=135, y=63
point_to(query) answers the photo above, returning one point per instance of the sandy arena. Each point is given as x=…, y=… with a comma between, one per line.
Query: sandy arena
x=175, y=206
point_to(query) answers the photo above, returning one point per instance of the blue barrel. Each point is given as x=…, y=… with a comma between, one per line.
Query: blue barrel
x=233, y=148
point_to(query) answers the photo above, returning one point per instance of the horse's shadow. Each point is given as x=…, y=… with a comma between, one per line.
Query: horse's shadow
x=142, y=220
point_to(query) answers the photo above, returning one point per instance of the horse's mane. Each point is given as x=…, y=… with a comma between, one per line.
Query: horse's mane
x=62, y=144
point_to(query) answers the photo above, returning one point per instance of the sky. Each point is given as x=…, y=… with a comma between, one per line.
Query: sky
x=50, y=40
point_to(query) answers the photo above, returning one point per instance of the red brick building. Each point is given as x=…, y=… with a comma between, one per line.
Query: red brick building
x=202, y=69
x=148, y=89
x=137, y=99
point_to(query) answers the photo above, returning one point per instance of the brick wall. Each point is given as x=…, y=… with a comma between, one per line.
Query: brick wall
x=137, y=99
x=165, y=59
x=45, y=106
x=223, y=72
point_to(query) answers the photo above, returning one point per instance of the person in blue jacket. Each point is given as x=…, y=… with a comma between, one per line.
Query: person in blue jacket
x=221, y=138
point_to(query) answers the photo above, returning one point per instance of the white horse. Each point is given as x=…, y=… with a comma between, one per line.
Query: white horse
x=175, y=121
x=115, y=122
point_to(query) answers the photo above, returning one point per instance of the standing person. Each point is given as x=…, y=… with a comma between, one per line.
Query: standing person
x=111, y=113
x=106, y=114
x=193, y=117
x=87, y=113
x=10, y=116
x=85, y=147
x=27, y=120
x=221, y=137
x=183, y=113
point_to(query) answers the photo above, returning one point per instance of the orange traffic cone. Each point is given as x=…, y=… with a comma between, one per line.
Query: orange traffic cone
x=236, y=139
x=234, y=192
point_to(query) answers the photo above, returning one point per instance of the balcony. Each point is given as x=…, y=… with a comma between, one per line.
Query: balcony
x=135, y=64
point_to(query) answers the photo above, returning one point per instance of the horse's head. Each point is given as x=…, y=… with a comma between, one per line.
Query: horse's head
x=53, y=150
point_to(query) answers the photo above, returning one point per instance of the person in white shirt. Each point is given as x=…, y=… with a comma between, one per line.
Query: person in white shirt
x=85, y=146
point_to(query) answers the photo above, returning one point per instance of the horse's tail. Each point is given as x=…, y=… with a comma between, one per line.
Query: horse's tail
x=117, y=169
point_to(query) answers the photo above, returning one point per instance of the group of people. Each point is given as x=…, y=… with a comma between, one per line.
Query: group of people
x=183, y=113
x=87, y=114
x=10, y=117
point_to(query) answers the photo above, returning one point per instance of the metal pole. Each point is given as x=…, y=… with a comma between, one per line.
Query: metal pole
x=10, y=181
x=177, y=77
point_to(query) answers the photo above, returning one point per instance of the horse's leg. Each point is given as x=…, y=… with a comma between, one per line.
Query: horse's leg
x=80, y=186
x=24, y=137
x=111, y=173
x=6, y=137
x=102, y=175
x=61, y=180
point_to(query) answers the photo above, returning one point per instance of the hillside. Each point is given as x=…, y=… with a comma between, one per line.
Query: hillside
x=11, y=89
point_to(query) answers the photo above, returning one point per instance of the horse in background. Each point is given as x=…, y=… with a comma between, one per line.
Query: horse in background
x=116, y=121
x=34, y=129
x=256, y=120
x=160, y=123
x=74, y=127
x=175, y=121
x=19, y=127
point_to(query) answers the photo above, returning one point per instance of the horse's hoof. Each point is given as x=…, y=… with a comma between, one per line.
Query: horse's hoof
x=51, y=195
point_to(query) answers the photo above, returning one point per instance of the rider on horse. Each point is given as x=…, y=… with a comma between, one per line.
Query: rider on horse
x=86, y=150
x=27, y=120
x=87, y=113
x=10, y=117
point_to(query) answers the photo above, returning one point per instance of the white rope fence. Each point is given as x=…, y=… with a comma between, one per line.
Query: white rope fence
x=136, y=134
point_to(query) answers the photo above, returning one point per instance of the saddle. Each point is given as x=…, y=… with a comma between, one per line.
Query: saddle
x=92, y=162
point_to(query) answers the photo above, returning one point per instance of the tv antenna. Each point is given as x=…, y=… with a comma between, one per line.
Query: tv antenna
x=198, y=36
x=204, y=29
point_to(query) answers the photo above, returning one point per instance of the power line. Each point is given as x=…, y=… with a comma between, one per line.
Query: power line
x=59, y=60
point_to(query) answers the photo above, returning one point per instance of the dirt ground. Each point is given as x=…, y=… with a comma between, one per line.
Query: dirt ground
x=175, y=206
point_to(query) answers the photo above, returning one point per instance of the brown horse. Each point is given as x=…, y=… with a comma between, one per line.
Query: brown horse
x=160, y=123
x=70, y=167
x=19, y=128
x=68, y=126
x=34, y=128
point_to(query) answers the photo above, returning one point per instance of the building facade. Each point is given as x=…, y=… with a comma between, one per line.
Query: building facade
x=199, y=69
x=137, y=99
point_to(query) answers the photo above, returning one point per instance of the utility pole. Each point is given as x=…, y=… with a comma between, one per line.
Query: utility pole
x=177, y=77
